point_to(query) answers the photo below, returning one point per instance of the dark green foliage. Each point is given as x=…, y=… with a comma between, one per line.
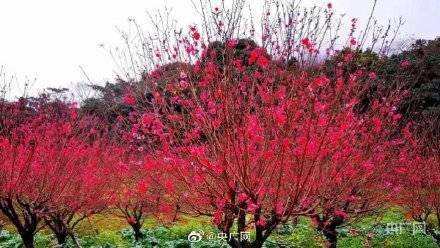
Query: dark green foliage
x=108, y=104
x=422, y=79
x=414, y=73
x=361, y=60
x=218, y=52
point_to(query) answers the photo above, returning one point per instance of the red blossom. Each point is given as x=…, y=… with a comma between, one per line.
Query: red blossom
x=353, y=42
x=129, y=99
x=405, y=64
x=262, y=222
x=147, y=119
x=308, y=44
x=342, y=214
x=196, y=35
x=258, y=56
x=372, y=76
x=242, y=197
x=348, y=57
x=252, y=207
x=279, y=209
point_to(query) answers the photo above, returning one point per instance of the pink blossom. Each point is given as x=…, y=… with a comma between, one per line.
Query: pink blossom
x=129, y=99
x=262, y=222
x=372, y=76
x=341, y=213
x=279, y=209
x=252, y=207
x=405, y=64
x=242, y=197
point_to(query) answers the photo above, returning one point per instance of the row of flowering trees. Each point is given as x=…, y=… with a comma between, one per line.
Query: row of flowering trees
x=251, y=136
x=263, y=134
x=250, y=142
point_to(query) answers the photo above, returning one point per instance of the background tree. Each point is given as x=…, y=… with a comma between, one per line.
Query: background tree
x=419, y=68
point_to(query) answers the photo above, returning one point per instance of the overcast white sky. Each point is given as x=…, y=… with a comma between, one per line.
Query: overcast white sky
x=50, y=39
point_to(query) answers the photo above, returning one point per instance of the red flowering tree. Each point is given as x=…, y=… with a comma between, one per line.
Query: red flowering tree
x=254, y=144
x=86, y=190
x=44, y=159
x=141, y=191
x=357, y=182
x=250, y=133
x=418, y=174
x=358, y=178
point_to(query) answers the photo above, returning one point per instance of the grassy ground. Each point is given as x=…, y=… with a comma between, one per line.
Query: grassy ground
x=106, y=231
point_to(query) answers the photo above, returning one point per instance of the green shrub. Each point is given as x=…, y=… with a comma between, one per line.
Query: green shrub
x=9, y=240
x=404, y=241
x=299, y=235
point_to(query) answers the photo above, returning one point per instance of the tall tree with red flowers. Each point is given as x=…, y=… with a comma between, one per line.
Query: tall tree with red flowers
x=86, y=191
x=256, y=144
x=250, y=133
x=357, y=180
x=141, y=190
x=417, y=174
x=44, y=159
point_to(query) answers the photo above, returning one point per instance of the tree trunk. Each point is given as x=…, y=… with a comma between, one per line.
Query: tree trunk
x=61, y=238
x=75, y=240
x=261, y=233
x=2, y=224
x=23, y=217
x=332, y=237
x=235, y=243
x=176, y=213
x=138, y=235
x=27, y=239
x=328, y=226
x=58, y=228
